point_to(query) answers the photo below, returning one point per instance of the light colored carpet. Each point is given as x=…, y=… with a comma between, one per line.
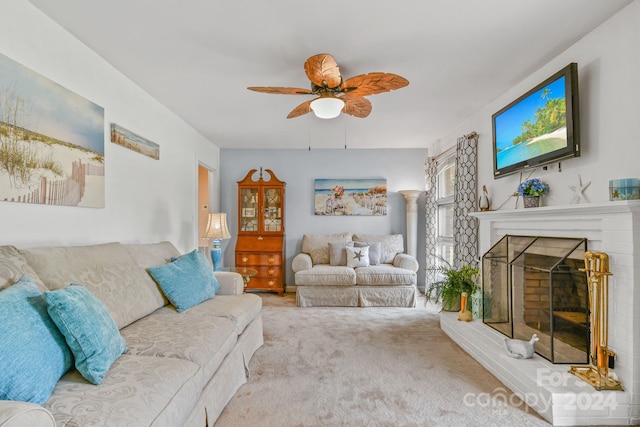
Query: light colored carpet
x=366, y=367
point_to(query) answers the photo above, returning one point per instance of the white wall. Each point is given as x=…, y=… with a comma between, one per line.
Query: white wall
x=403, y=170
x=609, y=84
x=146, y=200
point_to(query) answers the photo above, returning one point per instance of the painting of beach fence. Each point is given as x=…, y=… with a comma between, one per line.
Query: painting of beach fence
x=130, y=140
x=51, y=141
x=350, y=196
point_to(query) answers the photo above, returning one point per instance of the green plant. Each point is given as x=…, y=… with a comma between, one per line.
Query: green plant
x=454, y=282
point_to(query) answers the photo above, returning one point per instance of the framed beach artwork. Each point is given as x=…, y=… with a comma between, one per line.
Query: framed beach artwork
x=51, y=141
x=134, y=142
x=350, y=197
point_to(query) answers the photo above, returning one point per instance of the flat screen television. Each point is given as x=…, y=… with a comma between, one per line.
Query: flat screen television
x=540, y=127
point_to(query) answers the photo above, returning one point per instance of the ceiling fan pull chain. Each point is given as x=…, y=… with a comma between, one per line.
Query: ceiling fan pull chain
x=345, y=133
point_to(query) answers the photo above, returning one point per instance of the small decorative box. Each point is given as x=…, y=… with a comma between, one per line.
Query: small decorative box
x=624, y=189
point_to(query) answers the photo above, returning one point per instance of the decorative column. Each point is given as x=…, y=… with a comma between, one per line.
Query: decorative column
x=411, y=198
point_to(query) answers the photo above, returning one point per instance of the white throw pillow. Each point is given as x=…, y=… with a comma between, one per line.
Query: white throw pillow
x=357, y=257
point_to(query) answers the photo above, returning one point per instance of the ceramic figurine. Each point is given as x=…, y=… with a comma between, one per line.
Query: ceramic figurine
x=485, y=202
x=520, y=349
x=464, y=314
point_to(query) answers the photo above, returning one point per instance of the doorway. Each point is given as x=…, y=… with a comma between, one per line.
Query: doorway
x=206, y=196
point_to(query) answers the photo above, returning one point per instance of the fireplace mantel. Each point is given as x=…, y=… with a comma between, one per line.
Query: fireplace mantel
x=611, y=227
x=607, y=208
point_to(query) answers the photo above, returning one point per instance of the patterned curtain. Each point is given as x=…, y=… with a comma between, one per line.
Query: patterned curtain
x=465, y=227
x=431, y=224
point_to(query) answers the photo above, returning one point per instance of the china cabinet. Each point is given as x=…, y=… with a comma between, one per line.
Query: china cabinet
x=260, y=244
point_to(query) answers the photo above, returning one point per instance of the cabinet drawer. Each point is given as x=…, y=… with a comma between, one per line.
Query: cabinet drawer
x=268, y=271
x=265, y=283
x=259, y=243
x=248, y=258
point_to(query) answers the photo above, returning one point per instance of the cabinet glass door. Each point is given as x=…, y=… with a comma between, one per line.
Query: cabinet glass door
x=249, y=209
x=272, y=215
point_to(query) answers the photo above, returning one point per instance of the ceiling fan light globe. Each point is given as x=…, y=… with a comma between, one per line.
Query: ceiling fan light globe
x=327, y=107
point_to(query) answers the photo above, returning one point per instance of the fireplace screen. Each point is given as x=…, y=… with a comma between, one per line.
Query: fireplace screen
x=533, y=285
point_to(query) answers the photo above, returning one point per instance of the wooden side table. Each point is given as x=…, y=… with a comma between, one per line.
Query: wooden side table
x=246, y=273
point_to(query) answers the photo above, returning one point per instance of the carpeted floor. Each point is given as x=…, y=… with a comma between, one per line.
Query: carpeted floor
x=366, y=367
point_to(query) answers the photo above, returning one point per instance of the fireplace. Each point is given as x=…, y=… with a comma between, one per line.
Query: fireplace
x=559, y=397
x=533, y=285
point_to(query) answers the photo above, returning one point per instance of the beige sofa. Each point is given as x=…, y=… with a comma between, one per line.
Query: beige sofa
x=180, y=368
x=326, y=276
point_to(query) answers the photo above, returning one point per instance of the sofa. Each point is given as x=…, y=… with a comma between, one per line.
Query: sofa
x=354, y=270
x=180, y=366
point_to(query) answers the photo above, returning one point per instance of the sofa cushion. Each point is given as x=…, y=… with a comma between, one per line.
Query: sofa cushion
x=147, y=255
x=357, y=257
x=88, y=328
x=33, y=352
x=13, y=266
x=240, y=309
x=375, y=249
x=326, y=275
x=317, y=245
x=384, y=274
x=338, y=253
x=137, y=391
x=390, y=245
x=187, y=281
x=107, y=270
x=203, y=340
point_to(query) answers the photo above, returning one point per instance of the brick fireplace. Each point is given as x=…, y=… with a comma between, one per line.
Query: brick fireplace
x=559, y=397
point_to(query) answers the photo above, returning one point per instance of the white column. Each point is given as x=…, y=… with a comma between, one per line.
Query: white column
x=411, y=198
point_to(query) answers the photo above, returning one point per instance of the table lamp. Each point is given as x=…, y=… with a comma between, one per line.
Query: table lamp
x=216, y=230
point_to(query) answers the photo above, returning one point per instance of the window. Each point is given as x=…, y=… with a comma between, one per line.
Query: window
x=445, y=182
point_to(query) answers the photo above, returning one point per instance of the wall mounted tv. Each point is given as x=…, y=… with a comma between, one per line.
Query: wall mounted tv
x=540, y=127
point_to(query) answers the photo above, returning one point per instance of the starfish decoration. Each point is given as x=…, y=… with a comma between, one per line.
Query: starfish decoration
x=358, y=255
x=578, y=191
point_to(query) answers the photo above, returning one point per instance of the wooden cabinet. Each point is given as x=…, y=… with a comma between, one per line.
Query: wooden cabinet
x=260, y=242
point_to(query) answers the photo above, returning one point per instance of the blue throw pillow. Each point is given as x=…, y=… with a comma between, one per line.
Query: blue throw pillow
x=33, y=353
x=202, y=258
x=186, y=281
x=89, y=329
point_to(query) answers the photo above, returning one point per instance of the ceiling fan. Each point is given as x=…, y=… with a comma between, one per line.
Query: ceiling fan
x=333, y=94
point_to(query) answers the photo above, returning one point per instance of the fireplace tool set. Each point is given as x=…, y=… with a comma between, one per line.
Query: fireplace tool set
x=597, y=372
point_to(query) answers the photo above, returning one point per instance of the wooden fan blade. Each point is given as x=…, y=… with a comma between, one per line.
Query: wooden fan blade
x=282, y=90
x=323, y=71
x=372, y=83
x=356, y=106
x=301, y=109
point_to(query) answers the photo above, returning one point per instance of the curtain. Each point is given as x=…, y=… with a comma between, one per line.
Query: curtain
x=431, y=224
x=465, y=227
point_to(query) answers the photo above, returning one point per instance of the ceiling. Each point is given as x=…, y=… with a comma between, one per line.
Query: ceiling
x=197, y=57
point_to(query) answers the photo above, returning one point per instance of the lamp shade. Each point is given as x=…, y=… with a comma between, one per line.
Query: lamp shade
x=327, y=107
x=217, y=227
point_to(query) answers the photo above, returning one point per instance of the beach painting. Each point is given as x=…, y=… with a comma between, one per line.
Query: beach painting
x=51, y=141
x=335, y=197
x=132, y=141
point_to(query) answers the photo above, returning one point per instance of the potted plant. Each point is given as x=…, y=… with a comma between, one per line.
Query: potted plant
x=454, y=281
x=531, y=190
